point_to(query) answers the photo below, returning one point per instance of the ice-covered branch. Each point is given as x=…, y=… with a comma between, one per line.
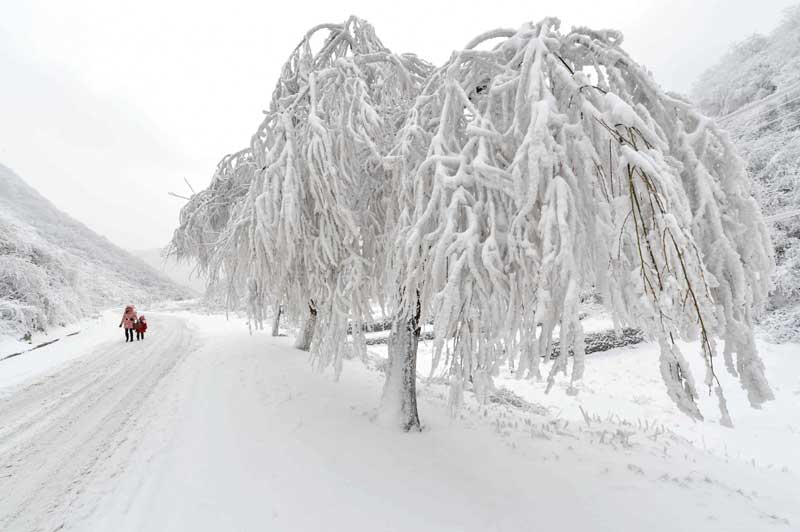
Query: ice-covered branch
x=553, y=165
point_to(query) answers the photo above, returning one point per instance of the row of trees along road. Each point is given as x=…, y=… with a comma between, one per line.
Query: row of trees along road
x=487, y=196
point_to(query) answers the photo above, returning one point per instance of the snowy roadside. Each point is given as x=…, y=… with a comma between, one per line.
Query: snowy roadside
x=624, y=385
x=73, y=341
x=91, y=332
x=621, y=403
x=233, y=431
x=248, y=437
x=10, y=345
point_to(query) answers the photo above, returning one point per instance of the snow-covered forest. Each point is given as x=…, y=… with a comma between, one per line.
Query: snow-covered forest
x=489, y=196
x=54, y=270
x=754, y=93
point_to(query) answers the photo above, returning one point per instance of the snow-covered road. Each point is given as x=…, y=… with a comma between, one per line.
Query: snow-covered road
x=203, y=427
x=68, y=429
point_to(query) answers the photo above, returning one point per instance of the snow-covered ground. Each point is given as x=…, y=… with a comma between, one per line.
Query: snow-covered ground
x=204, y=427
x=82, y=335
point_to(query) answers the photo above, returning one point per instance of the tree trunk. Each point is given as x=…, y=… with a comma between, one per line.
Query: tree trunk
x=276, y=320
x=303, y=341
x=399, y=402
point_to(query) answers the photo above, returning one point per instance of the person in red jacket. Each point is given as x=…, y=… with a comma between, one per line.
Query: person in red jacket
x=129, y=322
x=141, y=327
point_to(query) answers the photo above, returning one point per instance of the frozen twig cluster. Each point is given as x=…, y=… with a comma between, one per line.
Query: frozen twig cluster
x=486, y=196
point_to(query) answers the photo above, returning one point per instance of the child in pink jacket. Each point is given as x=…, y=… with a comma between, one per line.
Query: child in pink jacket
x=129, y=322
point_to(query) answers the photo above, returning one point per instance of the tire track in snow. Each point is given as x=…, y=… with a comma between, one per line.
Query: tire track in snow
x=66, y=431
x=39, y=402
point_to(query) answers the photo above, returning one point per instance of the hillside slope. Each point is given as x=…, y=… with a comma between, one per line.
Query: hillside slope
x=54, y=269
x=181, y=273
x=754, y=92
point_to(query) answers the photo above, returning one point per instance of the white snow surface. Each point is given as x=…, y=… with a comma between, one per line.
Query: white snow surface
x=204, y=427
x=73, y=342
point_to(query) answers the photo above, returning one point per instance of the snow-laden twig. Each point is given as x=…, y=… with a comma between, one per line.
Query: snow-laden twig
x=487, y=196
x=553, y=164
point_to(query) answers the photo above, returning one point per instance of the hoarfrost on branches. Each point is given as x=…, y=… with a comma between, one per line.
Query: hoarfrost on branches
x=213, y=231
x=551, y=163
x=318, y=206
x=754, y=92
x=486, y=196
x=315, y=208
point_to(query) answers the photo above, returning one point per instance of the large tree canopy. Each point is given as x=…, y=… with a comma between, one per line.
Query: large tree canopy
x=314, y=206
x=318, y=207
x=488, y=195
x=551, y=164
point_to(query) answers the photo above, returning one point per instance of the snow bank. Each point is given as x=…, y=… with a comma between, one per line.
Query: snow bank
x=74, y=341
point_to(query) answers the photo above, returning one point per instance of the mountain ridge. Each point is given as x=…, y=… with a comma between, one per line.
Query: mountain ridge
x=55, y=270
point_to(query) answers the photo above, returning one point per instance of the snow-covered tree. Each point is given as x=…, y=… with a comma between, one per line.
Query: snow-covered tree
x=549, y=164
x=213, y=235
x=317, y=209
x=754, y=93
x=299, y=215
x=486, y=196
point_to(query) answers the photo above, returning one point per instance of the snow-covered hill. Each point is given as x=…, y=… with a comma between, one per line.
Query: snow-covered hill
x=754, y=92
x=181, y=273
x=54, y=270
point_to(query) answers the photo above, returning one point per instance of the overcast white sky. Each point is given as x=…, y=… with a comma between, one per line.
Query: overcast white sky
x=107, y=105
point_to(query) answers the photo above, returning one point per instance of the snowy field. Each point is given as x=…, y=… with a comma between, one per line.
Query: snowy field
x=203, y=427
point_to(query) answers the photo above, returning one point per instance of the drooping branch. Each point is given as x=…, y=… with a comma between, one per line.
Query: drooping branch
x=532, y=168
x=553, y=165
